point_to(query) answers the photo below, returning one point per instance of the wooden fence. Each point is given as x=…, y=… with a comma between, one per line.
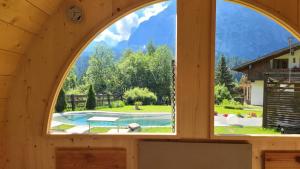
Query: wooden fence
x=79, y=101
x=281, y=100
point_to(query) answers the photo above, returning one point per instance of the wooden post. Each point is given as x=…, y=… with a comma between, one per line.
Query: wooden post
x=108, y=99
x=265, y=125
x=73, y=102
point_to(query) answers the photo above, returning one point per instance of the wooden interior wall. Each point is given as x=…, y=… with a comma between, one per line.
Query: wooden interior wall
x=35, y=56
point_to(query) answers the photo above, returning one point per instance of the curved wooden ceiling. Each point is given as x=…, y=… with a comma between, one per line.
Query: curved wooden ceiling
x=20, y=21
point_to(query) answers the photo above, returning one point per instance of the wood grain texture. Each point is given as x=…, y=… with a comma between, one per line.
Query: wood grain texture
x=8, y=62
x=47, y=6
x=14, y=39
x=282, y=160
x=22, y=14
x=82, y=158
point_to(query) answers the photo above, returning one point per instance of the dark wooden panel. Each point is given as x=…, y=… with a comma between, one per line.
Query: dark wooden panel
x=82, y=158
x=191, y=155
x=282, y=160
x=281, y=102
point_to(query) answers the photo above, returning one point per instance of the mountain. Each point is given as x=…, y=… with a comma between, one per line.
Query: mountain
x=240, y=33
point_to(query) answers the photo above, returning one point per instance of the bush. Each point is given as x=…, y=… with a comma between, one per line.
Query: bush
x=91, y=99
x=137, y=105
x=118, y=103
x=140, y=95
x=221, y=93
x=231, y=104
x=61, y=103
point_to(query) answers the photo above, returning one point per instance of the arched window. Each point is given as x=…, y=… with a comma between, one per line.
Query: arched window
x=256, y=74
x=123, y=82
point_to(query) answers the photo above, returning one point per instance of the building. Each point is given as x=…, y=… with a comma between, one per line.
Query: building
x=283, y=60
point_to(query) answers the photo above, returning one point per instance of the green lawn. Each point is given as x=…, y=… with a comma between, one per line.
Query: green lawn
x=157, y=130
x=130, y=109
x=249, y=109
x=244, y=130
x=63, y=127
x=99, y=130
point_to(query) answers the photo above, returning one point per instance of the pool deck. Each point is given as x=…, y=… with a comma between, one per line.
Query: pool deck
x=78, y=130
x=113, y=113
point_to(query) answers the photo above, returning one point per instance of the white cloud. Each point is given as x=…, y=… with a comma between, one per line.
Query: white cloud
x=122, y=29
x=152, y=11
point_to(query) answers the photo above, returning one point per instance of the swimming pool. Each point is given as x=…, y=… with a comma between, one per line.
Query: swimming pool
x=143, y=119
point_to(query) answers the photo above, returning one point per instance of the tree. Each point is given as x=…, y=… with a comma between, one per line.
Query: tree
x=101, y=69
x=150, y=48
x=161, y=73
x=61, y=102
x=91, y=99
x=221, y=93
x=70, y=82
x=223, y=75
x=148, y=71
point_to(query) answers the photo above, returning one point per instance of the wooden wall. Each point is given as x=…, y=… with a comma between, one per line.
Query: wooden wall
x=45, y=53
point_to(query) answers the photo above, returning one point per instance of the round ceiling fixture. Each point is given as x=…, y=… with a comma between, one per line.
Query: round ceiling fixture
x=75, y=13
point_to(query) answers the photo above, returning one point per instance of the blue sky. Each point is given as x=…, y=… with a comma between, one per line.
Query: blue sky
x=122, y=29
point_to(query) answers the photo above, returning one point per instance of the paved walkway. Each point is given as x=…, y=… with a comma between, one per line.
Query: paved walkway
x=56, y=123
x=220, y=120
x=78, y=129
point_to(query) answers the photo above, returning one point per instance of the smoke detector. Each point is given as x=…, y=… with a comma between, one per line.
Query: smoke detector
x=75, y=13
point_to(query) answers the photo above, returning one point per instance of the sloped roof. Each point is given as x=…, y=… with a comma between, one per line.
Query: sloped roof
x=268, y=56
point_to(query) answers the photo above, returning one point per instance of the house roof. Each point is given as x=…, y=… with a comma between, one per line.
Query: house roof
x=268, y=56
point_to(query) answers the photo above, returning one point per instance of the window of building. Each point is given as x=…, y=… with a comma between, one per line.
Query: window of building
x=281, y=63
x=124, y=80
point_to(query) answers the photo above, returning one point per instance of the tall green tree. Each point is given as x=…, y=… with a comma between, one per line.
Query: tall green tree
x=70, y=82
x=223, y=75
x=101, y=69
x=61, y=103
x=161, y=73
x=91, y=99
x=150, y=48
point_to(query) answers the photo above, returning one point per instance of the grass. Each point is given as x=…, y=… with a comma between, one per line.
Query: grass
x=100, y=129
x=130, y=109
x=63, y=127
x=249, y=109
x=157, y=130
x=244, y=130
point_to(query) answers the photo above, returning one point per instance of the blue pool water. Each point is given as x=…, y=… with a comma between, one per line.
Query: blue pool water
x=149, y=119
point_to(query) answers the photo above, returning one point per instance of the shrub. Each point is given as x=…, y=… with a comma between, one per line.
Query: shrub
x=221, y=93
x=231, y=104
x=91, y=99
x=137, y=105
x=140, y=95
x=118, y=103
x=61, y=103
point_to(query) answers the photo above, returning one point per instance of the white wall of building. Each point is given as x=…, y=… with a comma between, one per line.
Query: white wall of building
x=257, y=92
x=291, y=59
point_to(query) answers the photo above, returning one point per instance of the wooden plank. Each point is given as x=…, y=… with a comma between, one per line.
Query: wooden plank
x=22, y=14
x=47, y=6
x=289, y=10
x=5, y=84
x=8, y=62
x=282, y=160
x=193, y=66
x=14, y=39
x=101, y=158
